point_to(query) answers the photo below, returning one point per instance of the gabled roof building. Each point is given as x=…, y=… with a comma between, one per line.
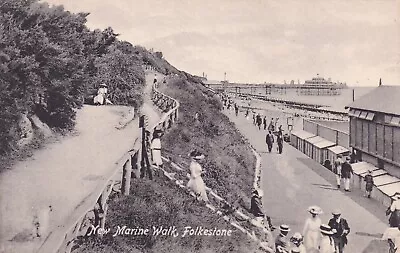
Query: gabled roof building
x=375, y=128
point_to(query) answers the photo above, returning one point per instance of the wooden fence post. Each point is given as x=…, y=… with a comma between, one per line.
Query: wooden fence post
x=126, y=177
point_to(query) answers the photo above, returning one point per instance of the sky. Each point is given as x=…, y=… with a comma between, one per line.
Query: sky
x=257, y=41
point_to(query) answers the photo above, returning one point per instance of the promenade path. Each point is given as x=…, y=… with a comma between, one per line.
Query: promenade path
x=64, y=173
x=292, y=182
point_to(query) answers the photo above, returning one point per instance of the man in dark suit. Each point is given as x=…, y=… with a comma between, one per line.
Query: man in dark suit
x=341, y=229
x=269, y=139
x=347, y=172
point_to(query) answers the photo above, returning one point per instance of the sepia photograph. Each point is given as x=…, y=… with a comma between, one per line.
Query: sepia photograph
x=199, y=126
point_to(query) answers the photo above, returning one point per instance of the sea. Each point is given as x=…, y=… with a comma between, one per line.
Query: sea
x=333, y=102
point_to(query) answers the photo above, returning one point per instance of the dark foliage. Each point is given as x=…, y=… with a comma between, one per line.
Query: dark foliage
x=51, y=63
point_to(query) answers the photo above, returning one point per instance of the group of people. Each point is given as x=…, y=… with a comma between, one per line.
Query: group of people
x=316, y=237
x=344, y=171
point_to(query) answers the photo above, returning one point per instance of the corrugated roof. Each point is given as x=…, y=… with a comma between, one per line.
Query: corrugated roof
x=381, y=99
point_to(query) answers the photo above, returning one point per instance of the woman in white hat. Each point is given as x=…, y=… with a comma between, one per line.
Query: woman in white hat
x=311, y=230
x=196, y=182
x=326, y=244
x=101, y=95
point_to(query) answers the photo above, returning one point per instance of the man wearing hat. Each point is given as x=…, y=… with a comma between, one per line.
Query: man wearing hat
x=340, y=229
x=256, y=207
x=347, y=171
x=281, y=241
x=369, y=183
x=337, y=169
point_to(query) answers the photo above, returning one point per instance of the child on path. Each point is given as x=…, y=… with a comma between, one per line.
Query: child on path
x=369, y=183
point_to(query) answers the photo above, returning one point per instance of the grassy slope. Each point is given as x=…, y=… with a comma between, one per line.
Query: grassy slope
x=229, y=162
x=230, y=171
x=162, y=203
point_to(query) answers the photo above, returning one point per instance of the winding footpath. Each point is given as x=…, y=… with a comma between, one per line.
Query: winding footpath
x=64, y=173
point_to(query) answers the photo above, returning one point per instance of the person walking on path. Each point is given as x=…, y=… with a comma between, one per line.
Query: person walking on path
x=265, y=122
x=269, y=139
x=279, y=141
x=311, y=230
x=337, y=169
x=196, y=182
x=326, y=244
x=236, y=109
x=155, y=147
x=392, y=235
x=254, y=118
x=271, y=126
x=259, y=121
x=256, y=208
x=394, y=211
x=281, y=241
x=369, y=183
x=347, y=172
x=297, y=240
x=340, y=229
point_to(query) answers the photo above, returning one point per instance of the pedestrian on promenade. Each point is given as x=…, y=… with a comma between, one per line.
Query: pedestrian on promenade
x=279, y=141
x=196, y=182
x=347, y=172
x=369, y=183
x=265, y=122
x=155, y=147
x=311, y=230
x=392, y=235
x=326, y=244
x=394, y=211
x=340, y=229
x=259, y=121
x=254, y=118
x=256, y=208
x=297, y=240
x=269, y=139
x=271, y=126
x=155, y=79
x=337, y=169
x=236, y=109
x=281, y=241
x=247, y=114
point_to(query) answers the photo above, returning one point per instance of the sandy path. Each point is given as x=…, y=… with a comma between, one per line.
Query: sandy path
x=64, y=173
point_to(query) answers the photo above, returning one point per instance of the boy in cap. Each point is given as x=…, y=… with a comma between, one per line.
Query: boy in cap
x=340, y=229
x=281, y=241
x=369, y=183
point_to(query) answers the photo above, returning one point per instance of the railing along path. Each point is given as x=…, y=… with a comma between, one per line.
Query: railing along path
x=93, y=209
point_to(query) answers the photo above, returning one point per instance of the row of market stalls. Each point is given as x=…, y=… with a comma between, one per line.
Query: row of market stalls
x=321, y=150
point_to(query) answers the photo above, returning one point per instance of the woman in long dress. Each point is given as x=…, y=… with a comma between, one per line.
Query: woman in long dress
x=156, y=149
x=311, y=230
x=196, y=182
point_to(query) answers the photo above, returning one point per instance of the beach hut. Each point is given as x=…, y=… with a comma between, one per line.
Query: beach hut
x=385, y=192
x=333, y=152
x=297, y=139
x=309, y=145
x=320, y=151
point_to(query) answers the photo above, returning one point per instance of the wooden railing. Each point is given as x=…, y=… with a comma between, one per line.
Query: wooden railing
x=93, y=209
